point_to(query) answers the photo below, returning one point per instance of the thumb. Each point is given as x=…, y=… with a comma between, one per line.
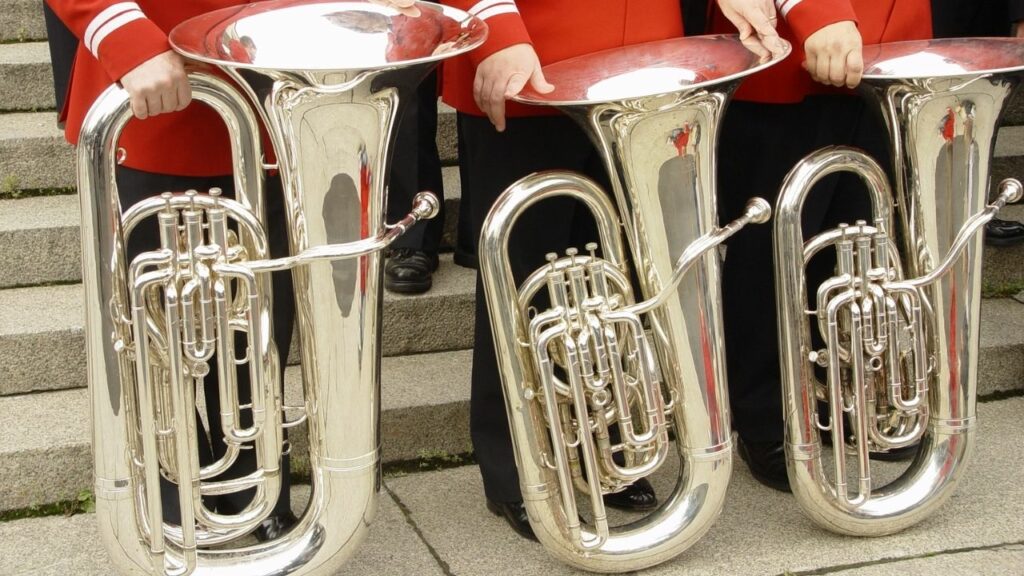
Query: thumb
x=515, y=84
x=538, y=82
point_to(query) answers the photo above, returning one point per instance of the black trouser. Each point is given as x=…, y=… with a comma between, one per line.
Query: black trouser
x=416, y=166
x=760, y=144
x=135, y=185
x=492, y=161
x=63, y=46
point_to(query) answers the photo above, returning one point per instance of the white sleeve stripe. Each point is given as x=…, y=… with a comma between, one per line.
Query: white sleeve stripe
x=112, y=25
x=102, y=18
x=485, y=4
x=497, y=10
x=786, y=5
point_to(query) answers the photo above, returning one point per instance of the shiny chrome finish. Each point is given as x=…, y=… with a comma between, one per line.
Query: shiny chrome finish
x=153, y=324
x=597, y=359
x=900, y=317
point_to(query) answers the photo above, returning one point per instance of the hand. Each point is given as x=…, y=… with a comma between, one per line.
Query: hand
x=1018, y=29
x=755, y=20
x=504, y=74
x=835, y=55
x=407, y=7
x=158, y=86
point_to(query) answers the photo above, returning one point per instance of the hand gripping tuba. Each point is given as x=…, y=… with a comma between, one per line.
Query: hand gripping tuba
x=597, y=359
x=326, y=79
x=899, y=320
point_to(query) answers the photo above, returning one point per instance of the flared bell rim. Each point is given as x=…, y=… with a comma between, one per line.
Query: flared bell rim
x=321, y=36
x=646, y=70
x=943, y=58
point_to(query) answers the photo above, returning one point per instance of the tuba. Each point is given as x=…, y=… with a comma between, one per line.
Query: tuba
x=897, y=359
x=598, y=359
x=326, y=80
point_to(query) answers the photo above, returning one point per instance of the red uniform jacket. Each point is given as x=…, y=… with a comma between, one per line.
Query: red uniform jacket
x=557, y=29
x=115, y=37
x=878, y=20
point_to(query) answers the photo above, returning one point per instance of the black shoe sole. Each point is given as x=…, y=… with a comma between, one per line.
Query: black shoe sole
x=407, y=287
x=1003, y=242
x=631, y=507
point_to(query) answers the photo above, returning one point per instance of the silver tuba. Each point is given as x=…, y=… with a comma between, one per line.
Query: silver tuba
x=899, y=319
x=325, y=79
x=598, y=358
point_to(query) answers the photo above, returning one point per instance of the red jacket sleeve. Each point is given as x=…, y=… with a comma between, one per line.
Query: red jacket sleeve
x=118, y=34
x=505, y=26
x=805, y=17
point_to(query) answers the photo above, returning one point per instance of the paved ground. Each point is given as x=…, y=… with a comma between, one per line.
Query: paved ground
x=435, y=524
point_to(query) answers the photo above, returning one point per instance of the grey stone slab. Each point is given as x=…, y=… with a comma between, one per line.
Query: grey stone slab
x=33, y=153
x=760, y=531
x=1001, y=357
x=44, y=442
x=21, y=20
x=1010, y=141
x=40, y=240
x=26, y=78
x=42, y=339
x=57, y=546
x=1008, y=560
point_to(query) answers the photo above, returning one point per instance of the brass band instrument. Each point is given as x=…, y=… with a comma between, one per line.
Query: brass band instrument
x=899, y=320
x=597, y=359
x=325, y=79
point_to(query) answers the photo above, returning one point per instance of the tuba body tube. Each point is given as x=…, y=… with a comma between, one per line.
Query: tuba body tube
x=651, y=365
x=329, y=101
x=914, y=377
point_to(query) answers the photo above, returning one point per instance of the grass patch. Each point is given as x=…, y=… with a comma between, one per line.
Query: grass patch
x=300, y=474
x=84, y=503
x=429, y=461
x=9, y=190
x=1002, y=290
x=1000, y=395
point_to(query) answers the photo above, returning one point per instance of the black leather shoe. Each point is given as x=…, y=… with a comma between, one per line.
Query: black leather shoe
x=409, y=271
x=638, y=497
x=515, y=514
x=274, y=526
x=1004, y=232
x=767, y=463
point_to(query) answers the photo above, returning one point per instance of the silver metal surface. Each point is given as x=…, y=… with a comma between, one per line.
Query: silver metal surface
x=596, y=359
x=900, y=317
x=153, y=324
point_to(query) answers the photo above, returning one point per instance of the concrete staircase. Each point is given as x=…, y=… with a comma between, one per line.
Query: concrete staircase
x=44, y=427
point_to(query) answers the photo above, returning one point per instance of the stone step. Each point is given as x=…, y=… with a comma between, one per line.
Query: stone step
x=26, y=79
x=44, y=444
x=21, y=21
x=45, y=435
x=42, y=344
x=435, y=523
x=35, y=156
x=40, y=241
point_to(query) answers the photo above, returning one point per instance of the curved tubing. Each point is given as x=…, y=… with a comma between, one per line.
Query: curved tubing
x=697, y=500
x=344, y=488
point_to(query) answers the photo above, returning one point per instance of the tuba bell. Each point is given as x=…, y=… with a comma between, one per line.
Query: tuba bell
x=898, y=322
x=326, y=80
x=598, y=358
